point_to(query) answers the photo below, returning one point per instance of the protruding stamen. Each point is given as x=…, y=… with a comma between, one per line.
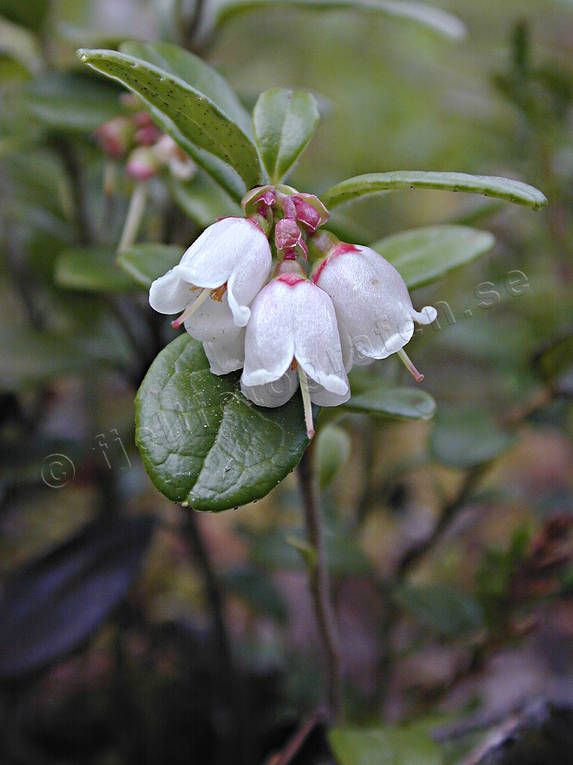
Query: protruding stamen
x=405, y=359
x=190, y=310
x=303, y=380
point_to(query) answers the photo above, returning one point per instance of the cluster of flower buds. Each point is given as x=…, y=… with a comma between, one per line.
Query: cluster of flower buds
x=304, y=321
x=134, y=138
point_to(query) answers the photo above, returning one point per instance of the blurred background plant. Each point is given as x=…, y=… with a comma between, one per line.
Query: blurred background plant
x=131, y=631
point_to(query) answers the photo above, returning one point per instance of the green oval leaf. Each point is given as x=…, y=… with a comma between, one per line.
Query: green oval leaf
x=284, y=122
x=332, y=450
x=93, y=269
x=147, y=262
x=195, y=72
x=464, y=438
x=189, y=116
x=71, y=102
x=434, y=18
x=202, y=443
x=402, y=403
x=424, y=255
x=444, y=608
x=383, y=746
x=489, y=185
x=203, y=200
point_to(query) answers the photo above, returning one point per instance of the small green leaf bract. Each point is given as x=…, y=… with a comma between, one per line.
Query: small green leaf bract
x=385, y=745
x=424, y=255
x=492, y=186
x=284, y=122
x=147, y=262
x=202, y=442
x=91, y=269
x=402, y=403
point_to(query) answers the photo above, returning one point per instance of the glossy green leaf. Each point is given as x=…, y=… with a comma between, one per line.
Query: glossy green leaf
x=464, y=437
x=331, y=452
x=195, y=72
x=402, y=403
x=492, y=186
x=424, y=255
x=203, y=200
x=202, y=443
x=284, y=122
x=422, y=13
x=93, y=269
x=71, y=102
x=146, y=262
x=383, y=746
x=445, y=609
x=198, y=125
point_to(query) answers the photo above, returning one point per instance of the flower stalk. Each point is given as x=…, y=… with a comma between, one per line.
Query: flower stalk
x=134, y=216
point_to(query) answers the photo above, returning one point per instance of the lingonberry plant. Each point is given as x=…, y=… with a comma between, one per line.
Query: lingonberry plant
x=272, y=292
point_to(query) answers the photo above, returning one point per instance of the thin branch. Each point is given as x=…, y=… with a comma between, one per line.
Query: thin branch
x=192, y=26
x=319, y=585
x=297, y=741
x=449, y=513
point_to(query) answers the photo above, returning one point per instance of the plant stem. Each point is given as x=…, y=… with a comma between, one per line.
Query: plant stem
x=68, y=156
x=297, y=741
x=319, y=585
x=134, y=215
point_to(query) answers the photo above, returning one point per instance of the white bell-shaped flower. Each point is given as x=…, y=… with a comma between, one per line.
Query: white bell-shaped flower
x=214, y=285
x=373, y=307
x=292, y=338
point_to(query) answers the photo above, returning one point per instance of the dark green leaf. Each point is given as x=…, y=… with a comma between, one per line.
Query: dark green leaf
x=203, y=200
x=403, y=403
x=422, y=13
x=555, y=359
x=492, y=186
x=284, y=122
x=189, y=116
x=147, y=262
x=195, y=72
x=202, y=443
x=332, y=450
x=426, y=254
x=93, y=269
x=383, y=746
x=57, y=601
x=444, y=608
x=71, y=102
x=28, y=13
x=464, y=437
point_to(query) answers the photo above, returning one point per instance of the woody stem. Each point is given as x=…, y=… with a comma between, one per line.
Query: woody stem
x=320, y=586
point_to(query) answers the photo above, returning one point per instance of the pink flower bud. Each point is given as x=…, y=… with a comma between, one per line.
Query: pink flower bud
x=147, y=135
x=142, y=164
x=115, y=136
x=288, y=239
x=310, y=211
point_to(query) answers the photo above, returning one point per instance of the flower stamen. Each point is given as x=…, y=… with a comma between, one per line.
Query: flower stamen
x=303, y=380
x=405, y=359
x=190, y=310
x=218, y=293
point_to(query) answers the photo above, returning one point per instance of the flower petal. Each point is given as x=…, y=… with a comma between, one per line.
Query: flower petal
x=316, y=339
x=227, y=352
x=269, y=341
x=170, y=293
x=224, y=246
x=274, y=393
x=211, y=320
